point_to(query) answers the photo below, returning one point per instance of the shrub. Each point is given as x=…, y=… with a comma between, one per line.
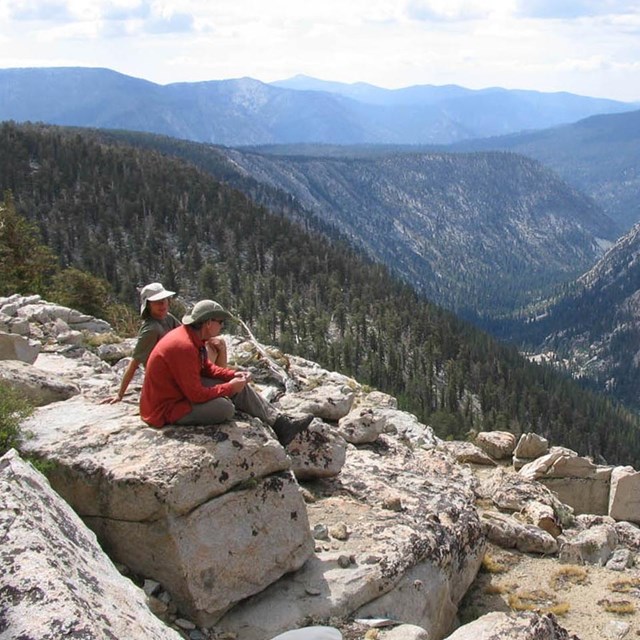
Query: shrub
x=498, y=564
x=570, y=574
x=80, y=290
x=626, y=585
x=124, y=319
x=539, y=601
x=622, y=607
x=13, y=410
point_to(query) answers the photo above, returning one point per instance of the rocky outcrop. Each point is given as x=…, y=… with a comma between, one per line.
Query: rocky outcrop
x=56, y=581
x=38, y=319
x=215, y=514
x=176, y=504
x=503, y=626
x=409, y=546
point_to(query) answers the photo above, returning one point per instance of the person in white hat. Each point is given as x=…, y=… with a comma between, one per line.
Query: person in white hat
x=182, y=386
x=156, y=322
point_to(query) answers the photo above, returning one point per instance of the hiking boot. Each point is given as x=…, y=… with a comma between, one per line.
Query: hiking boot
x=287, y=428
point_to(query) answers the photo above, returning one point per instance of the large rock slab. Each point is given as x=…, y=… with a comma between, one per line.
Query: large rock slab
x=34, y=384
x=531, y=446
x=329, y=401
x=576, y=480
x=583, y=495
x=624, y=496
x=509, y=491
x=507, y=532
x=591, y=546
x=362, y=425
x=498, y=444
x=213, y=513
x=405, y=541
x=56, y=580
x=16, y=347
x=317, y=452
x=467, y=452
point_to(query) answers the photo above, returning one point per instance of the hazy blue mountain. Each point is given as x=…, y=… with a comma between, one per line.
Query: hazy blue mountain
x=248, y=112
x=599, y=155
x=369, y=93
x=480, y=233
x=492, y=111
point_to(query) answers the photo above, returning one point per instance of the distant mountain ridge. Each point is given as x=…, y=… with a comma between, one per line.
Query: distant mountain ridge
x=492, y=110
x=249, y=112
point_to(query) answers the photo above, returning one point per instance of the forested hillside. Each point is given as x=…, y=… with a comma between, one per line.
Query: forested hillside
x=593, y=329
x=481, y=234
x=599, y=155
x=132, y=216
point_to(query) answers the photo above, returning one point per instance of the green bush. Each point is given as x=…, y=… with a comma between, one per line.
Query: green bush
x=26, y=265
x=13, y=410
x=81, y=291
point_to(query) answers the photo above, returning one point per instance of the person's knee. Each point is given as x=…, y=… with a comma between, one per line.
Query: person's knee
x=227, y=410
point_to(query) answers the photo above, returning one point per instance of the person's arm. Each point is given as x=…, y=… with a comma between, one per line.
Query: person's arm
x=211, y=370
x=217, y=351
x=187, y=368
x=124, y=385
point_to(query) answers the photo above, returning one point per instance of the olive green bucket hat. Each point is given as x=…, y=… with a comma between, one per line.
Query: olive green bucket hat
x=206, y=310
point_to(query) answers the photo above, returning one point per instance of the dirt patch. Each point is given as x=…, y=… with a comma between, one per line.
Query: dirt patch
x=592, y=602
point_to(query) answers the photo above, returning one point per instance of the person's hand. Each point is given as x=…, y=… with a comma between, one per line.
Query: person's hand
x=237, y=385
x=113, y=400
x=243, y=375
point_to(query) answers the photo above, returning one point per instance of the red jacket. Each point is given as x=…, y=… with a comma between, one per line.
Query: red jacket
x=172, y=378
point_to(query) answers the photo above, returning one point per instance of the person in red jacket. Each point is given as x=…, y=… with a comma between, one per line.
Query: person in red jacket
x=182, y=386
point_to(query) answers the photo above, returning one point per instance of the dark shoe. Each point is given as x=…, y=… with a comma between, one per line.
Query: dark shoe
x=287, y=428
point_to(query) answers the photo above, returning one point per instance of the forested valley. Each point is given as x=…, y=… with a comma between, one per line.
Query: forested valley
x=128, y=216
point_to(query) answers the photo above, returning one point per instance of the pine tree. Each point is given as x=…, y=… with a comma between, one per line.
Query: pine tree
x=26, y=265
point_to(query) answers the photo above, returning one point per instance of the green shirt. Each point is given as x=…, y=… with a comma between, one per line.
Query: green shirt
x=150, y=332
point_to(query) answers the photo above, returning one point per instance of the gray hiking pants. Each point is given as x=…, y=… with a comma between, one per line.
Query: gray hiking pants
x=223, y=409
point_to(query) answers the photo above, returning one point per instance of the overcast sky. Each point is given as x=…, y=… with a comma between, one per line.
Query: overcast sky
x=589, y=47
